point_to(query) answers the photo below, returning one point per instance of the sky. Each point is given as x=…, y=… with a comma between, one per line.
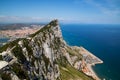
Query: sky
x=66, y=11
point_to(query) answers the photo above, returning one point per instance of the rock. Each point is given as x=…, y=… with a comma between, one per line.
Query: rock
x=3, y=64
x=44, y=55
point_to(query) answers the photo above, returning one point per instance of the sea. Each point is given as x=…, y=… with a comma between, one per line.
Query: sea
x=3, y=40
x=103, y=40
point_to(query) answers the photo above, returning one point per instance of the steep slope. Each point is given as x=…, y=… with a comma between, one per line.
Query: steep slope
x=43, y=55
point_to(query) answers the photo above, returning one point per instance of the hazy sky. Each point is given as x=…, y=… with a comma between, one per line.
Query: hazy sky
x=68, y=11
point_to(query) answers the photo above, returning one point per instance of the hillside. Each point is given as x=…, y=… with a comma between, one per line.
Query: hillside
x=43, y=55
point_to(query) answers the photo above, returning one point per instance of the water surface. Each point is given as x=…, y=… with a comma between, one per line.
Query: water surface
x=102, y=40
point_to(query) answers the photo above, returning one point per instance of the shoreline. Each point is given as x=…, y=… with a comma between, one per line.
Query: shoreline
x=95, y=76
x=91, y=60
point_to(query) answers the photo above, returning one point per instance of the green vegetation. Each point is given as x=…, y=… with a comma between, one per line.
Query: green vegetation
x=57, y=43
x=53, y=23
x=26, y=44
x=70, y=73
x=10, y=44
x=62, y=61
x=45, y=28
x=41, y=30
x=5, y=76
x=17, y=51
x=1, y=57
x=46, y=60
x=33, y=60
x=3, y=48
x=21, y=73
x=70, y=51
x=74, y=53
x=67, y=72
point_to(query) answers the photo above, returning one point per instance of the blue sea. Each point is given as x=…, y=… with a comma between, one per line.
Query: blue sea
x=3, y=40
x=103, y=40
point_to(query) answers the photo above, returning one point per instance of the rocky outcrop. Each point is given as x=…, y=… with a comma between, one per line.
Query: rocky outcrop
x=43, y=55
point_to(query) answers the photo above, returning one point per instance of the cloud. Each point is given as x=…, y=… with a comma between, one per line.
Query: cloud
x=21, y=19
x=107, y=7
x=12, y=19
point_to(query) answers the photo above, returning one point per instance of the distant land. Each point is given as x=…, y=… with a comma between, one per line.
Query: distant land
x=13, y=31
x=14, y=26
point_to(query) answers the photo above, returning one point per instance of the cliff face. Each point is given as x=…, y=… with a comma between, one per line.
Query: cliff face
x=43, y=55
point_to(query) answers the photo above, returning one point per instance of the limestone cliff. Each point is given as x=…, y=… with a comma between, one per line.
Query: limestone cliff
x=43, y=55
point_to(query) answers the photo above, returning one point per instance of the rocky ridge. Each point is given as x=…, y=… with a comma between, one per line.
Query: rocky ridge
x=43, y=55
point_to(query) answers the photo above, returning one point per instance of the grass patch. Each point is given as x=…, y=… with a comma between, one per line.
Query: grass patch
x=67, y=72
x=70, y=73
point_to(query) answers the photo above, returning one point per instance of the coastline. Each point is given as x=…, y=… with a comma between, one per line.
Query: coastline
x=95, y=76
x=90, y=60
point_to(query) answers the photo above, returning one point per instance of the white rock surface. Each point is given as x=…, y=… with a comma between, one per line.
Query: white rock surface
x=4, y=53
x=47, y=50
x=3, y=64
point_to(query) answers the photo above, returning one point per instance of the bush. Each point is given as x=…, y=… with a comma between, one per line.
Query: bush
x=17, y=51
